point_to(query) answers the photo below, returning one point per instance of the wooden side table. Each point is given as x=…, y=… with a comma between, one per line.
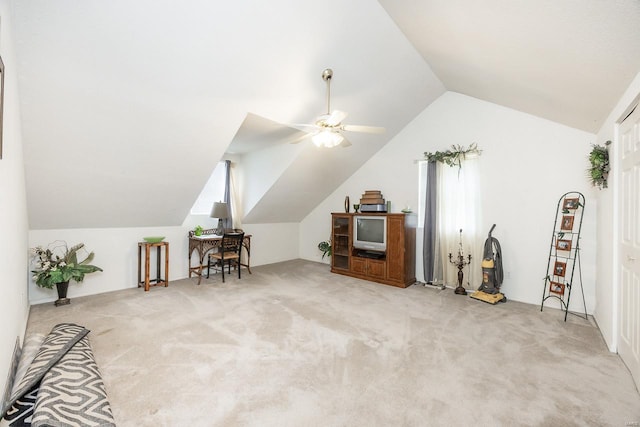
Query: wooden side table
x=147, y=251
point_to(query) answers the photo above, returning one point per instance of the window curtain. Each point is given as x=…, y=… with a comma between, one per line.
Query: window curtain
x=430, y=227
x=228, y=221
x=234, y=201
x=452, y=201
x=459, y=208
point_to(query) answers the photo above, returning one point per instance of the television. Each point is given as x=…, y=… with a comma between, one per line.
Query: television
x=370, y=232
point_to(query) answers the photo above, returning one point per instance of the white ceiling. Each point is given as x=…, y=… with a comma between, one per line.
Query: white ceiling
x=564, y=60
x=127, y=106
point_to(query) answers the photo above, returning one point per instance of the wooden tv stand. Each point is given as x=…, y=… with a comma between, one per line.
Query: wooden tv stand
x=396, y=266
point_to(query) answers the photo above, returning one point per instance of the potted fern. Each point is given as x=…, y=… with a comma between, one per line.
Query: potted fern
x=325, y=247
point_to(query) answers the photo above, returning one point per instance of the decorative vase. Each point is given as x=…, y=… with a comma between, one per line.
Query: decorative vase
x=347, y=206
x=62, y=288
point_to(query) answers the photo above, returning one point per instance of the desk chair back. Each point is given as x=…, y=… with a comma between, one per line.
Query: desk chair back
x=230, y=250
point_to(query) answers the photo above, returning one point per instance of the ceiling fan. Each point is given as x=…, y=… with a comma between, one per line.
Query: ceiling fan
x=327, y=129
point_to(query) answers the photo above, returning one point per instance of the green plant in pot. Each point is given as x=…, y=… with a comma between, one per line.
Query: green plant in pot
x=325, y=247
x=198, y=230
x=57, y=265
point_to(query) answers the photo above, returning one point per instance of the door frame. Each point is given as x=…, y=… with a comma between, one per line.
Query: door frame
x=615, y=156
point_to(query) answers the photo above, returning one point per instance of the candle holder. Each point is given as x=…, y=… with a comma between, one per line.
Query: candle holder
x=460, y=262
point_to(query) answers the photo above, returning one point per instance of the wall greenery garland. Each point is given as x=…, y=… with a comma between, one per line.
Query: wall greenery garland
x=599, y=170
x=453, y=156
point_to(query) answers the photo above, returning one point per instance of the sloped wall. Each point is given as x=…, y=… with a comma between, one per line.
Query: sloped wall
x=526, y=165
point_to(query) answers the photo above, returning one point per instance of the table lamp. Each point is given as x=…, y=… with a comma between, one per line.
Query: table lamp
x=219, y=211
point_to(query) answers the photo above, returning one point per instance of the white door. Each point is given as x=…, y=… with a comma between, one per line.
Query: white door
x=629, y=304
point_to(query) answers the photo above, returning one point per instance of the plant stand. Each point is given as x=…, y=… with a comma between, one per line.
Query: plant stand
x=564, y=253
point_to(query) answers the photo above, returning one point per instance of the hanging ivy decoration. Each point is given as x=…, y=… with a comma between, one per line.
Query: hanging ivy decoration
x=599, y=170
x=453, y=156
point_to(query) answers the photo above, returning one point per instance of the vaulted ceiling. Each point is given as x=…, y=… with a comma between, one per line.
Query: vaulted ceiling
x=568, y=61
x=127, y=106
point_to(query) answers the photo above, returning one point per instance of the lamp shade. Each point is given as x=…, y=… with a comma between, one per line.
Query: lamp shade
x=219, y=210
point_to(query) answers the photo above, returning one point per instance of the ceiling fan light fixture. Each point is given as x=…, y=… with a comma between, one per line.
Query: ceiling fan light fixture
x=327, y=138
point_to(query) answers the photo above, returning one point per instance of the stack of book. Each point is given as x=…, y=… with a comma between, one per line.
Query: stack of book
x=372, y=201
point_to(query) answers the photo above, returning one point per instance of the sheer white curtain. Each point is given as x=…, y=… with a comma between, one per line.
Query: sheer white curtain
x=234, y=199
x=459, y=207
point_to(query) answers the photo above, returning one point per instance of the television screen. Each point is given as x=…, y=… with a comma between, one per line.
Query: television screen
x=370, y=230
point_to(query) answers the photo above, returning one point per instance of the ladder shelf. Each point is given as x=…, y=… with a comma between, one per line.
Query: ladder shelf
x=564, y=253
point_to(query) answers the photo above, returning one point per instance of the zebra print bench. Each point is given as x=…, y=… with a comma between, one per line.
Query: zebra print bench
x=61, y=386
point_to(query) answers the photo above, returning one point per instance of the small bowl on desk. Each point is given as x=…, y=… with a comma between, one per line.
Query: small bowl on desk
x=153, y=239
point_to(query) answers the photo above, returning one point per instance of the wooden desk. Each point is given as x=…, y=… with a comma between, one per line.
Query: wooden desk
x=207, y=242
x=147, y=251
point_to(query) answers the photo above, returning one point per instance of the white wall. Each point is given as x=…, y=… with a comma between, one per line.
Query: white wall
x=116, y=252
x=273, y=242
x=14, y=307
x=606, y=312
x=526, y=165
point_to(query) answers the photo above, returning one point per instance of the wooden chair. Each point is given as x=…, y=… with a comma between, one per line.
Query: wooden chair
x=230, y=250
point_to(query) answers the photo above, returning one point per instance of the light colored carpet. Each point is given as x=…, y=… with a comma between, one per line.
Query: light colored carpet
x=294, y=345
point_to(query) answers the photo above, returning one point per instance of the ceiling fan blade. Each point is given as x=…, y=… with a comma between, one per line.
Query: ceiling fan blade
x=299, y=137
x=335, y=118
x=304, y=127
x=361, y=128
x=345, y=142
x=304, y=131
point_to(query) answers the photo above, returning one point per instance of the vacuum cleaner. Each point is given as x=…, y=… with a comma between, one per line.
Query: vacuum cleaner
x=492, y=275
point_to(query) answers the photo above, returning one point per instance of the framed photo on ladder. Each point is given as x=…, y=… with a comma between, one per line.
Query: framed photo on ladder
x=563, y=245
x=571, y=203
x=556, y=288
x=567, y=223
x=560, y=268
